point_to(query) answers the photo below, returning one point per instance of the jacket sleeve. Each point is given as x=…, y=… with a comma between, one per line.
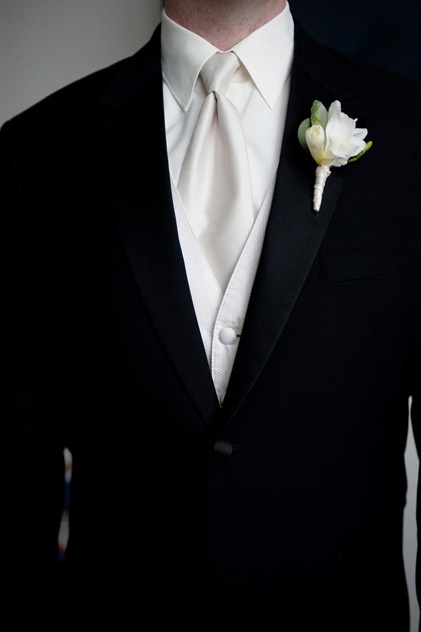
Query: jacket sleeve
x=31, y=448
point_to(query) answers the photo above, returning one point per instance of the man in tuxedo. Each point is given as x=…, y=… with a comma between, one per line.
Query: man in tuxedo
x=238, y=451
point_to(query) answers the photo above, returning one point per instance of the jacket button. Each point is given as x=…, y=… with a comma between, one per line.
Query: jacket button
x=222, y=448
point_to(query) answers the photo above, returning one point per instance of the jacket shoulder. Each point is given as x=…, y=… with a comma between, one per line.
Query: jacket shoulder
x=83, y=101
x=344, y=74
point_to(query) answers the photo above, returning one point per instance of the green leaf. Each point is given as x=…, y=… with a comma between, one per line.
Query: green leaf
x=318, y=114
x=367, y=147
x=302, y=132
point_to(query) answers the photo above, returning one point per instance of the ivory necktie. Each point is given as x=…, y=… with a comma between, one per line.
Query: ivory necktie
x=214, y=184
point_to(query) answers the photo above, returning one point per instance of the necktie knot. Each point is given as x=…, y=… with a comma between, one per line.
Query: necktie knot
x=218, y=72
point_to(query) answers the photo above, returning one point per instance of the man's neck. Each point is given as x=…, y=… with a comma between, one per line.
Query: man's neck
x=223, y=23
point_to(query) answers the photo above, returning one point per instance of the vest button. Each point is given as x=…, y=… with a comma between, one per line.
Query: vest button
x=228, y=335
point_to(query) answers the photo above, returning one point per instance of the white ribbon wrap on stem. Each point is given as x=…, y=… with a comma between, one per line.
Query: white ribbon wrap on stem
x=322, y=174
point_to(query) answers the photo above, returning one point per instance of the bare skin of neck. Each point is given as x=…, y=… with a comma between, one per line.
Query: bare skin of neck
x=223, y=23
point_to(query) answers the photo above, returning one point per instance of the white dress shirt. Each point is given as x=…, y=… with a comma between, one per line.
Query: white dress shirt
x=260, y=92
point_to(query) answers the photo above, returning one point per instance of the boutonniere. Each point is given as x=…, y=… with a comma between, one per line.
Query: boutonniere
x=333, y=140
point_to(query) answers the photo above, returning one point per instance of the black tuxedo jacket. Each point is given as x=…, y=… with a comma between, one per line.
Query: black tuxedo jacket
x=282, y=510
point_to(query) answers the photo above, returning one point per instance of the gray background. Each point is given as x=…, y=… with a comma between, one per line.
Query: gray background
x=45, y=44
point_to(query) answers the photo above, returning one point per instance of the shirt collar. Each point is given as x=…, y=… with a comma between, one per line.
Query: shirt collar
x=266, y=53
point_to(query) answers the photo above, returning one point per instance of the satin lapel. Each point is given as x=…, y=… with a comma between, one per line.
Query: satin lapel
x=135, y=161
x=293, y=237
